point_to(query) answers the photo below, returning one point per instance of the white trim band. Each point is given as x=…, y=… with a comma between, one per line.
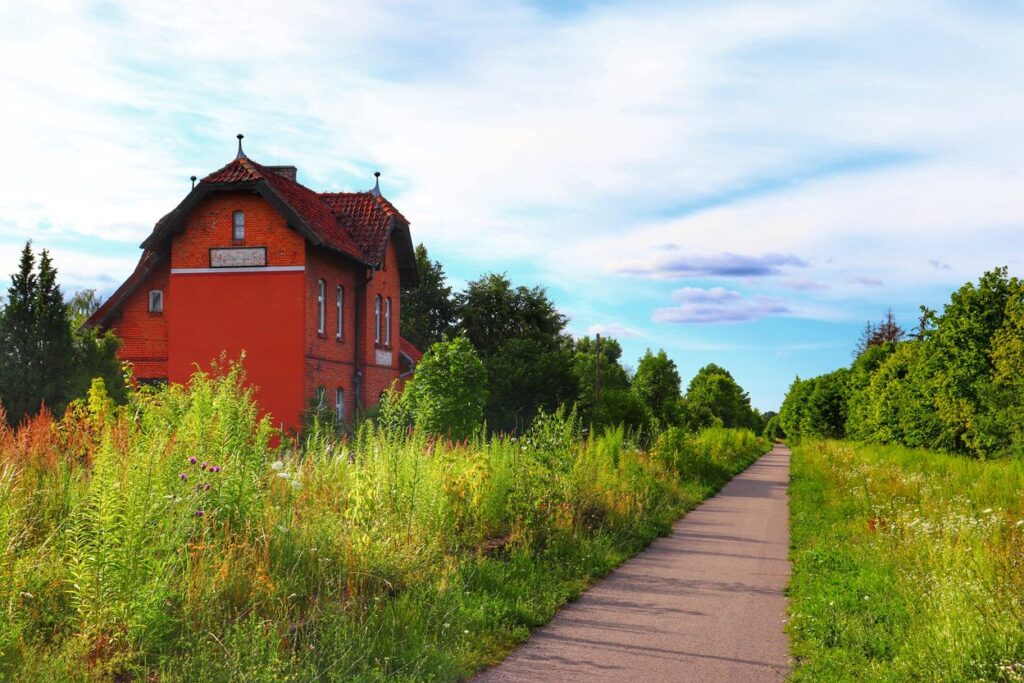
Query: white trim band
x=255, y=269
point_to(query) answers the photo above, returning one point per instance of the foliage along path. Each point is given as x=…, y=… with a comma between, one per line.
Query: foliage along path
x=705, y=603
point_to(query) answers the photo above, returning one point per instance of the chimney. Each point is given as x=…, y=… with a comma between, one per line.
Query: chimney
x=289, y=172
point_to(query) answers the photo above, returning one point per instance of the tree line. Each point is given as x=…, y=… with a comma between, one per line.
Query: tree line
x=46, y=359
x=955, y=384
x=500, y=353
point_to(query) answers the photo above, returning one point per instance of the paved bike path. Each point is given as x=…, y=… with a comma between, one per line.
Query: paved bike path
x=702, y=604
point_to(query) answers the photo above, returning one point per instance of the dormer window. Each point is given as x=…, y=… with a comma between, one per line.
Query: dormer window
x=156, y=301
x=238, y=226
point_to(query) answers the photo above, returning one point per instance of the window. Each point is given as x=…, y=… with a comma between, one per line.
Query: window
x=156, y=301
x=387, y=322
x=238, y=225
x=339, y=304
x=321, y=398
x=339, y=405
x=376, y=319
x=320, y=307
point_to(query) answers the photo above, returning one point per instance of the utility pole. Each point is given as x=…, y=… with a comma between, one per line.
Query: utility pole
x=597, y=372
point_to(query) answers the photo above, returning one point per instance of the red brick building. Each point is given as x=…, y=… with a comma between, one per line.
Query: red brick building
x=306, y=283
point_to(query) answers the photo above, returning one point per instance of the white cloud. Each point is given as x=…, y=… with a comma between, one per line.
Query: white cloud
x=717, y=305
x=614, y=330
x=508, y=136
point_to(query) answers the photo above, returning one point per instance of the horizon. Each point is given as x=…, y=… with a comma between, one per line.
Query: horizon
x=718, y=181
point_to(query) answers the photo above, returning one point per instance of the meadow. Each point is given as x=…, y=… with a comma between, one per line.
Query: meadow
x=907, y=565
x=167, y=540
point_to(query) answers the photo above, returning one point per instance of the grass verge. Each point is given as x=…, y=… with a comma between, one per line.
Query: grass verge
x=907, y=565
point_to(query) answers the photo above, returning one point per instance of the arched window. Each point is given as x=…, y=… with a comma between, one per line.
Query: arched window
x=387, y=322
x=339, y=304
x=238, y=225
x=376, y=320
x=321, y=285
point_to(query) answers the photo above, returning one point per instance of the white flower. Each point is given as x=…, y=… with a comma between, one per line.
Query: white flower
x=296, y=484
x=277, y=466
x=284, y=475
x=986, y=511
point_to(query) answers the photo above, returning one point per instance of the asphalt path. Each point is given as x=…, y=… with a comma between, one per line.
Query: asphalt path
x=705, y=603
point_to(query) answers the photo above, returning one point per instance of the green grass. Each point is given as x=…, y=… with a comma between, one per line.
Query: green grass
x=907, y=565
x=388, y=556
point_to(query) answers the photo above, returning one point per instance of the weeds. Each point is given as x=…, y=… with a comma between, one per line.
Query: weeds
x=908, y=565
x=166, y=540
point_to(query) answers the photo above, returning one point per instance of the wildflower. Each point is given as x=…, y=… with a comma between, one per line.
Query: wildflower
x=200, y=513
x=206, y=487
x=192, y=460
x=296, y=484
x=203, y=466
x=183, y=476
x=986, y=511
x=277, y=466
x=284, y=475
x=216, y=468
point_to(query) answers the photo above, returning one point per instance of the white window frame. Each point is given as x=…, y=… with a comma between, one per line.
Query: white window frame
x=376, y=319
x=339, y=305
x=339, y=405
x=237, y=234
x=159, y=298
x=387, y=321
x=320, y=312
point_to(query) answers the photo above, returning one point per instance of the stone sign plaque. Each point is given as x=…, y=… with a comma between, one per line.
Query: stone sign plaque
x=238, y=257
x=383, y=357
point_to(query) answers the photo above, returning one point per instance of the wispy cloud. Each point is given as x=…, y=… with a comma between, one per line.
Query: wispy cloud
x=939, y=265
x=717, y=305
x=614, y=330
x=866, y=281
x=803, y=285
x=677, y=267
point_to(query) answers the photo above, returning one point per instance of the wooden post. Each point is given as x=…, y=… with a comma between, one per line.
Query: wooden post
x=597, y=372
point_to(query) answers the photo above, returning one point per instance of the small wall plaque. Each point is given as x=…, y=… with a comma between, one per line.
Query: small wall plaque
x=239, y=257
x=383, y=357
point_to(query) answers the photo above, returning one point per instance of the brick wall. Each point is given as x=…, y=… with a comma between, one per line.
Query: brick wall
x=210, y=226
x=143, y=334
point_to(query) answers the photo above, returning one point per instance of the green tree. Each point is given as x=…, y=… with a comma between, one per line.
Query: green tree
x=82, y=305
x=824, y=414
x=428, y=310
x=959, y=356
x=492, y=312
x=524, y=376
x=35, y=340
x=657, y=384
x=448, y=393
x=713, y=390
x=615, y=407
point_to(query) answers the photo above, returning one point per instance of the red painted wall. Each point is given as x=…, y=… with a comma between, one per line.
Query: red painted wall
x=259, y=313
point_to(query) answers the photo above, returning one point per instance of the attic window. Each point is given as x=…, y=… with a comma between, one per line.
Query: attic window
x=156, y=301
x=238, y=225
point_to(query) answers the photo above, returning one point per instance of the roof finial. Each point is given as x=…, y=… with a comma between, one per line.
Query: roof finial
x=376, y=184
x=193, y=179
x=241, y=154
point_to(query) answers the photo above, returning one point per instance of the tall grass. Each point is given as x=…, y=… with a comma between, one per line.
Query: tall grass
x=908, y=565
x=166, y=540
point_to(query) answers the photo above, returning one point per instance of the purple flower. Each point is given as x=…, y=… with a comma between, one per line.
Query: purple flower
x=192, y=460
x=217, y=468
x=203, y=466
x=206, y=487
x=199, y=513
x=183, y=476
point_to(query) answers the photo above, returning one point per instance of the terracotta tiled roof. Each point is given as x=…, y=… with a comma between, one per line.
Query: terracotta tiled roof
x=406, y=347
x=371, y=224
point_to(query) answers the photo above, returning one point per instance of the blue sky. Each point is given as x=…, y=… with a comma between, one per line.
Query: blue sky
x=738, y=183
